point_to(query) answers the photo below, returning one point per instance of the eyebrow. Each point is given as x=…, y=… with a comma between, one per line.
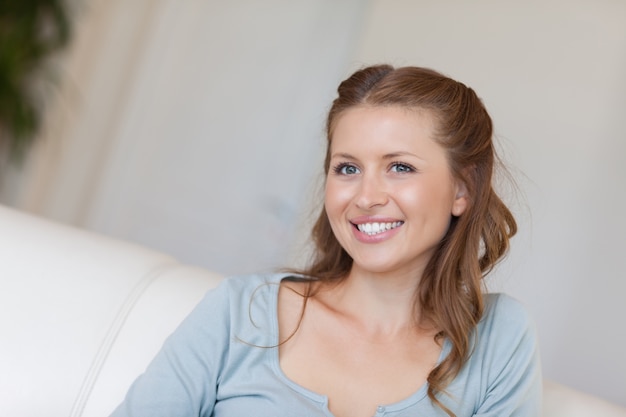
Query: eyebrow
x=386, y=156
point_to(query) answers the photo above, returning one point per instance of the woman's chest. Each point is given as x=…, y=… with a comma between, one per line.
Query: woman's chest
x=358, y=376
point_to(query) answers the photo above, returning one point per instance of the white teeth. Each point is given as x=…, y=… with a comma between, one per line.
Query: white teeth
x=375, y=228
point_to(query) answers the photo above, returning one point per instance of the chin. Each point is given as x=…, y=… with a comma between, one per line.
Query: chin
x=376, y=268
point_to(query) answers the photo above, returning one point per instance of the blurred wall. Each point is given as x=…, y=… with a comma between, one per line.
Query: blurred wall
x=196, y=128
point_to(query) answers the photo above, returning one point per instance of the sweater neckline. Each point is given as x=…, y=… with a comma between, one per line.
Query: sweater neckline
x=322, y=399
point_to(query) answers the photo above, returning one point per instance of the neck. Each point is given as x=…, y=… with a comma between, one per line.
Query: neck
x=379, y=304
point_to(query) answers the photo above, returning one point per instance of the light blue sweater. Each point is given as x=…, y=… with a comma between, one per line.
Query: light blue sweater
x=220, y=363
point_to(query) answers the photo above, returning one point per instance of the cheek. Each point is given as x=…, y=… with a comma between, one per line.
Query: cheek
x=410, y=197
x=336, y=198
x=432, y=201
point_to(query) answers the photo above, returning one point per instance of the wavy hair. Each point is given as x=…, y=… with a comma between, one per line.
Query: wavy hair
x=450, y=292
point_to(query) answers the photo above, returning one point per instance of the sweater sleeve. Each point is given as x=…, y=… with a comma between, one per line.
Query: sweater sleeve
x=182, y=379
x=514, y=371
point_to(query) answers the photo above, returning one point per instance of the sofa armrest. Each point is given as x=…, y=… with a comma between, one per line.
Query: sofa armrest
x=562, y=401
x=82, y=314
x=137, y=336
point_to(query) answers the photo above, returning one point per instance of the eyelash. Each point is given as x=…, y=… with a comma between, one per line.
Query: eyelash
x=337, y=169
x=404, y=165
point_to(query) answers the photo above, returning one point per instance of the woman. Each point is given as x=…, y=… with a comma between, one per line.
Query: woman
x=390, y=318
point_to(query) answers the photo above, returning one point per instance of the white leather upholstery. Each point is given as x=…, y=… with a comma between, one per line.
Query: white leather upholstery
x=82, y=315
x=562, y=401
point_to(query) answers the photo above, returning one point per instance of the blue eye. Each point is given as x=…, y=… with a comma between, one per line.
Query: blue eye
x=401, y=168
x=346, y=169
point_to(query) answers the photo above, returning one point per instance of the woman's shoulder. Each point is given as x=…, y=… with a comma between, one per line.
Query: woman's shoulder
x=507, y=320
x=246, y=284
x=503, y=309
x=235, y=291
x=237, y=306
x=505, y=359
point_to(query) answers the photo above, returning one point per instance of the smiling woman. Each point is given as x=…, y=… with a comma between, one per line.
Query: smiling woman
x=386, y=169
x=414, y=147
x=390, y=317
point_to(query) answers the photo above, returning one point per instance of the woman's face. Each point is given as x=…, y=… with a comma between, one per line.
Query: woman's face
x=389, y=194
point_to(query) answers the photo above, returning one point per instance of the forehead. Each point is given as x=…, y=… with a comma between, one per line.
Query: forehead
x=383, y=125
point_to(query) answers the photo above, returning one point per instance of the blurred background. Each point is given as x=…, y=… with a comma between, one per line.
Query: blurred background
x=196, y=128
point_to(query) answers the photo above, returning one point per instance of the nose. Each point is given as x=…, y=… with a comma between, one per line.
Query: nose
x=371, y=192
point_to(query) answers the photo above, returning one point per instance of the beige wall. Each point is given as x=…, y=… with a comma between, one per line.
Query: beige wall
x=193, y=127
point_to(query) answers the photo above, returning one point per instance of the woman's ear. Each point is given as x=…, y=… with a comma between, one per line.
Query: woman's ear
x=459, y=205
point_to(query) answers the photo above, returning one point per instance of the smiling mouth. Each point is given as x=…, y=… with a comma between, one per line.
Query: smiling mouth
x=376, y=228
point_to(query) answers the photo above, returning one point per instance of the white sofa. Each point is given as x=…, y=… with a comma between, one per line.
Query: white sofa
x=83, y=314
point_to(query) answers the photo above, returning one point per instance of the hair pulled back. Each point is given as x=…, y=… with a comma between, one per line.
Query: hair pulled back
x=450, y=290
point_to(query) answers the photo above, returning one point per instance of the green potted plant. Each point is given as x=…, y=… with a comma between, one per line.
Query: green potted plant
x=31, y=32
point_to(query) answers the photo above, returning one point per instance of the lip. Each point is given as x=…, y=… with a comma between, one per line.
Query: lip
x=379, y=237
